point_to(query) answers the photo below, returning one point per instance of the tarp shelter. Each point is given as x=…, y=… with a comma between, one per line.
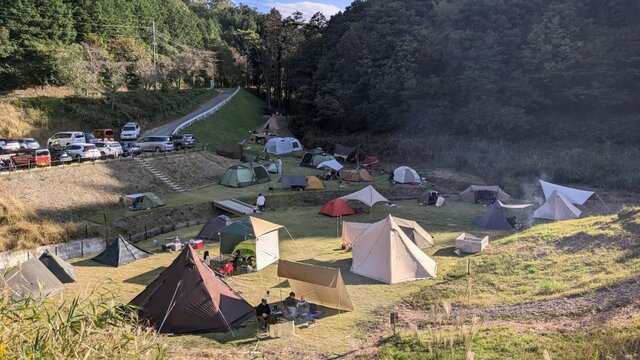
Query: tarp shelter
x=262, y=175
x=475, y=193
x=238, y=176
x=557, y=207
x=263, y=233
x=187, y=297
x=32, y=279
x=313, y=183
x=361, y=175
x=406, y=175
x=293, y=181
x=330, y=164
x=416, y=233
x=313, y=158
x=342, y=151
x=144, y=201
x=337, y=207
x=369, y=196
x=212, y=227
x=280, y=146
x=64, y=271
x=318, y=284
x=575, y=196
x=383, y=252
x=121, y=252
x=496, y=216
x=231, y=151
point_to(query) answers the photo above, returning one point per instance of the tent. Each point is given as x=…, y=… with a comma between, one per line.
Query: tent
x=273, y=124
x=342, y=151
x=361, y=175
x=369, y=196
x=121, y=252
x=187, y=297
x=496, y=216
x=210, y=229
x=231, y=151
x=238, y=176
x=144, y=201
x=557, y=207
x=337, y=207
x=261, y=173
x=330, y=164
x=406, y=175
x=32, y=279
x=318, y=284
x=313, y=183
x=271, y=167
x=293, y=181
x=383, y=252
x=64, y=271
x=263, y=233
x=475, y=193
x=279, y=146
x=416, y=233
x=313, y=158
x=575, y=196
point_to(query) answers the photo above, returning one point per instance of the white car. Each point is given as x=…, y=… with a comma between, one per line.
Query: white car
x=130, y=131
x=109, y=149
x=83, y=152
x=63, y=139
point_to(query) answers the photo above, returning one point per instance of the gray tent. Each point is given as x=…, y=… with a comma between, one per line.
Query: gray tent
x=495, y=218
x=262, y=175
x=64, y=271
x=476, y=193
x=293, y=181
x=32, y=279
x=210, y=230
x=143, y=201
x=231, y=151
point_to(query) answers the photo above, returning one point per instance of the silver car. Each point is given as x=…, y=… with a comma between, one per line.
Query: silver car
x=9, y=146
x=29, y=143
x=155, y=143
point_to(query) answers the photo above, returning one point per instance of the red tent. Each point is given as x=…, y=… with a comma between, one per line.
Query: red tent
x=337, y=207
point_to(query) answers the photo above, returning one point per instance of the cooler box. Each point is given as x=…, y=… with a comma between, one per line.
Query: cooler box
x=196, y=244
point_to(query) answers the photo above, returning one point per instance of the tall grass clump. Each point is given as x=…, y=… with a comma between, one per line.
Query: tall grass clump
x=80, y=328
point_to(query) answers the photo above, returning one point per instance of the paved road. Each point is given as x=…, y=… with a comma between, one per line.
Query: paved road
x=168, y=128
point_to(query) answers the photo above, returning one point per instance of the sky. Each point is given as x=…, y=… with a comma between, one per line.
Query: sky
x=306, y=7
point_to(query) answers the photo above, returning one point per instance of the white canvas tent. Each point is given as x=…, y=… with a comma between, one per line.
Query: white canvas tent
x=280, y=146
x=557, y=207
x=413, y=230
x=406, y=175
x=575, y=196
x=383, y=252
x=331, y=164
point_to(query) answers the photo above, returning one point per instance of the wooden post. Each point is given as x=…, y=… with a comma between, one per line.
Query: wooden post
x=105, y=226
x=468, y=266
x=81, y=249
x=86, y=230
x=145, y=233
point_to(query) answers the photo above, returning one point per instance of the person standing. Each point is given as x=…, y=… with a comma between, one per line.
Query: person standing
x=391, y=181
x=260, y=202
x=279, y=162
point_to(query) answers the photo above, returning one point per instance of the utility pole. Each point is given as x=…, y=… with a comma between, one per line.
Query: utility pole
x=155, y=44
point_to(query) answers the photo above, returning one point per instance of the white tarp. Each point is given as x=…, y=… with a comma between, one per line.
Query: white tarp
x=267, y=249
x=331, y=164
x=369, y=196
x=575, y=196
x=557, y=207
x=514, y=206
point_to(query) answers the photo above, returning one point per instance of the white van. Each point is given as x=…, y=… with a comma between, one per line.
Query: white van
x=63, y=139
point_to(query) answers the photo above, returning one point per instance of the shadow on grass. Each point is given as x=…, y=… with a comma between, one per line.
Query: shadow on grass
x=145, y=278
x=450, y=252
x=91, y=263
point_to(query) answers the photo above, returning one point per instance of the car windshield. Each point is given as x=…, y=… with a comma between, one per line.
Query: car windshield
x=62, y=136
x=91, y=147
x=101, y=145
x=129, y=128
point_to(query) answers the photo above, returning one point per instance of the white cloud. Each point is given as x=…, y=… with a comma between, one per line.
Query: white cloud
x=307, y=8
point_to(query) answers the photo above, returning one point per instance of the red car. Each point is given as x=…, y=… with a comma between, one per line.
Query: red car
x=29, y=157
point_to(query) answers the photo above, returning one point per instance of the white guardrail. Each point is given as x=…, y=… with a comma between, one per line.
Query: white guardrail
x=206, y=113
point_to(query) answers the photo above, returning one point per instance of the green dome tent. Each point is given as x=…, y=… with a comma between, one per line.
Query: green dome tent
x=238, y=176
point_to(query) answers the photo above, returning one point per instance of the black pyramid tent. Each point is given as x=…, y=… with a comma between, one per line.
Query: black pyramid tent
x=121, y=252
x=64, y=271
x=31, y=279
x=210, y=230
x=187, y=297
x=494, y=218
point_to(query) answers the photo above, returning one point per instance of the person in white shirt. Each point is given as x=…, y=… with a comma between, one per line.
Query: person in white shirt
x=279, y=165
x=260, y=202
x=207, y=259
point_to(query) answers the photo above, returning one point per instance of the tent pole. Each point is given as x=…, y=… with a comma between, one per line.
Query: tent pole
x=603, y=203
x=171, y=305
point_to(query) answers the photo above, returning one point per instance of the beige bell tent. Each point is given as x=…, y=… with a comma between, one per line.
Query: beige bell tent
x=413, y=230
x=274, y=124
x=475, y=193
x=385, y=253
x=557, y=207
x=318, y=284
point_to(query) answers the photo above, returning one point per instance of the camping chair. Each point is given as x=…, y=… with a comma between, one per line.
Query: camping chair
x=226, y=269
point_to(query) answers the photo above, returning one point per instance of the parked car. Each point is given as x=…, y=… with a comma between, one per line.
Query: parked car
x=109, y=149
x=130, y=149
x=63, y=139
x=130, y=131
x=155, y=143
x=103, y=134
x=32, y=157
x=9, y=146
x=183, y=141
x=59, y=155
x=83, y=152
x=90, y=138
x=28, y=143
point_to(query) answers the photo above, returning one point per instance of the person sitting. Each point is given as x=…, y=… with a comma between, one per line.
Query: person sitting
x=291, y=305
x=263, y=312
x=236, y=259
x=303, y=308
x=207, y=258
x=249, y=264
